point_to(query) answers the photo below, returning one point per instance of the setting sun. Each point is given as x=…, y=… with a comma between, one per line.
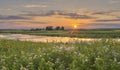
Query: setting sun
x=75, y=26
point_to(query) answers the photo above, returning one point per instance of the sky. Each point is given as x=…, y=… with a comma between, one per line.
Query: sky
x=27, y=14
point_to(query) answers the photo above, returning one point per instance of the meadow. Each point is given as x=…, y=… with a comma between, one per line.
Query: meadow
x=26, y=55
x=81, y=33
x=94, y=55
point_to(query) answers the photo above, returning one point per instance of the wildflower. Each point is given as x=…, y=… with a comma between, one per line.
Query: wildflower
x=30, y=63
x=23, y=68
x=2, y=60
x=79, y=54
x=4, y=68
x=115, y=60
x=118, y=62
x=86, y=60
x=34, y=56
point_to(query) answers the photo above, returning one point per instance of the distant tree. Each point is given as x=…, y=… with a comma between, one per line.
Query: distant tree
x=32, y=29
x=62, y=28
x=49, y=28
x=36, y=29
x=57, y=28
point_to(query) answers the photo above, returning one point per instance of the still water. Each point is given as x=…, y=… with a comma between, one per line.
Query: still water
x=34, y=38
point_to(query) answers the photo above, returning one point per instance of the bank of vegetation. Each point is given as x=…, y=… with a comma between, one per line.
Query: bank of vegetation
x=22, y=55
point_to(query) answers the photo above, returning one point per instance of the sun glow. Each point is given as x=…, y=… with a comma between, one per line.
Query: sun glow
x=75, y=26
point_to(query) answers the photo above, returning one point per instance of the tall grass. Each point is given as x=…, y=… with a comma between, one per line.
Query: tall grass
x=22, y=55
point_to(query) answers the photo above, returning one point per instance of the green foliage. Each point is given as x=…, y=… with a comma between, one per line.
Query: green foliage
x=85, y=33
x=22, y=55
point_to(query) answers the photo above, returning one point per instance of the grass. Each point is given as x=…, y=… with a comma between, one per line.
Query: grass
x=83, y=33
x=22, y=55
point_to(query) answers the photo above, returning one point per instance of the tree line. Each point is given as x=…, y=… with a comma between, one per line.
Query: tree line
x=49, y=28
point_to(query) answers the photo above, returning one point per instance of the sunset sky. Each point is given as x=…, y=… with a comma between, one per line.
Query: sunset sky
x=25, y=14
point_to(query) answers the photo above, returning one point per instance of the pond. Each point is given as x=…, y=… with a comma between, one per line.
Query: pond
x=33, y=38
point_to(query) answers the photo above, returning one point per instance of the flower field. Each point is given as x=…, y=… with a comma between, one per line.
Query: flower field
x=22, y=55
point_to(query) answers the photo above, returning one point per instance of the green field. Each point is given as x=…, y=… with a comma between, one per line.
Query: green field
x=83, y=33
x=22, y=55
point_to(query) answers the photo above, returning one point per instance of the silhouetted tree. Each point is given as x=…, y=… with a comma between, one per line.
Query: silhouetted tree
x=36, y=29
x=49, y=28
x=57, y=28
x=62, y=28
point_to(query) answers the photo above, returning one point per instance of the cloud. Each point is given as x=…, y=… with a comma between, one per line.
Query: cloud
x=111, y=14
x=107, y=16
x=101, y=25
x=5, y=9
x=100, y=13
x=18, y=24
x=30, y=21
x=106, y=25
x=108, y=20
x=107, y=13
x=35, y=6
x=12, y=17
x=114, y=1
x=90, y=19
x=72, y=15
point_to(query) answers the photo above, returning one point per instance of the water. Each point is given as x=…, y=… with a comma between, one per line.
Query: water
x=34, y=38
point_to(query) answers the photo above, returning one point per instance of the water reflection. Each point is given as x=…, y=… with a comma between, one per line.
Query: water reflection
x=34, y=38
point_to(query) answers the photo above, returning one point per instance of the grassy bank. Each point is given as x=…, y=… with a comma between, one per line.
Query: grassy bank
x=84, y=33
x=21, y=55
